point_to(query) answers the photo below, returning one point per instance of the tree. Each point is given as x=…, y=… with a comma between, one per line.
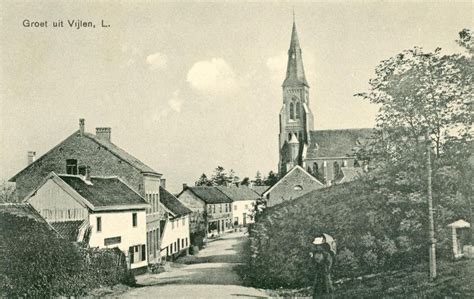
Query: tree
x=271, y=179
x=7, y=192
x=203, y=181
x=220, y=177
x=245, y=181
x=421, y=93
x=258, y=179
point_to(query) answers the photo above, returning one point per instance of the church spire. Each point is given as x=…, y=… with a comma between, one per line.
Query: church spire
x=294, y=71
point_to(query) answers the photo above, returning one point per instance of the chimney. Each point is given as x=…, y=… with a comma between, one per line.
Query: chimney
x=87, y=176
x=185, y=186
x=103, y=133
x=31, y=157
x=163, y=183
x=81, y=126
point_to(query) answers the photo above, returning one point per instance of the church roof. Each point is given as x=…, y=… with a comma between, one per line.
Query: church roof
x=295, y=71
x=336, y=143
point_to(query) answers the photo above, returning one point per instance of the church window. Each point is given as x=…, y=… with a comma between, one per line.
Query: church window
x=356, y=163
x=289, y=136
x=292, y=111
x=298, y=110
x=337, y=170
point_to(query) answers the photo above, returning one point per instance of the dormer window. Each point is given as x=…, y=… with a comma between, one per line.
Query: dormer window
x=298, y=188
x=71, y=166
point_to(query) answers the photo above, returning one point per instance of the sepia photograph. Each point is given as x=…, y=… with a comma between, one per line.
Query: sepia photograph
x=236, y=149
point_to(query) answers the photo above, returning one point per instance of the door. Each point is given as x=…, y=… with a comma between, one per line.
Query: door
x=244, y=219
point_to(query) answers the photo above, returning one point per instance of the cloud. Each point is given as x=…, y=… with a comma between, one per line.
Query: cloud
x=212, y=76
x=157, y=61
x=175, y=102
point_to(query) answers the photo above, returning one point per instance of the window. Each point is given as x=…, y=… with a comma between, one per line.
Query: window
x=315, y=169
x=184, y=221
x=82, y=170
x=71, y=166
x=209, y=208
x=134, y=219
x=246, y=207
x=230, y=207
x=226, y=208
x=182, y=243
x=235, y=208
x=186, y=241
x=213, y=208
x=292, y=111
x=143, y=257
x=99, y=224
x=220, y=208
x=298, y=188
x=298, y=110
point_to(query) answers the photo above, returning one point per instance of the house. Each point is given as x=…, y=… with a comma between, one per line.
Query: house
x=209, y=204
x=175, y=236
x=260, y=189
x=244, y=200
x=83, y=152
x=103, y=212
x=294, y=184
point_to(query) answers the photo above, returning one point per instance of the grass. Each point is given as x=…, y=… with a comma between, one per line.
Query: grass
x=455, y=280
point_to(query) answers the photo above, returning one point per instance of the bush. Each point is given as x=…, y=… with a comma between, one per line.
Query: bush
x=37, y=263
x=375, y=230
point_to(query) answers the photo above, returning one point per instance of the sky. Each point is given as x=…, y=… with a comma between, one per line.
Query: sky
x=186, y=87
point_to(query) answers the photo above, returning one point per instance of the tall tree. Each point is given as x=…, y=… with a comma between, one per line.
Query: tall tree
x=258, y=179
x=271, y=179
x=203, y=181
x=220, y=177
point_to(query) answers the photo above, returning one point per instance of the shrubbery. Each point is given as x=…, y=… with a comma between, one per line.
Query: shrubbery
x=37, y=263
x=374, y=233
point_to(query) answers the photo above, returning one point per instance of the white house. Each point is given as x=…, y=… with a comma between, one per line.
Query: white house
x=175, y=238
x=101, y=211
x=243, y=202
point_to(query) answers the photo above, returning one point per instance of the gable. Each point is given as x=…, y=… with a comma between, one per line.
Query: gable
x=295, y=183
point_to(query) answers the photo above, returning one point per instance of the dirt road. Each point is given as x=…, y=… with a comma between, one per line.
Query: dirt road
x=210, y=274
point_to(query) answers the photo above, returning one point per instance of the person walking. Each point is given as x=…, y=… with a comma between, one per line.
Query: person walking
x=323, y=253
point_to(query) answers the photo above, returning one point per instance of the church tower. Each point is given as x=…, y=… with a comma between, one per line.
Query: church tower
x=296, y=119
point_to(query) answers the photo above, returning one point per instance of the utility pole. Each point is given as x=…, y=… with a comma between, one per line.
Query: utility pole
x=432, y=250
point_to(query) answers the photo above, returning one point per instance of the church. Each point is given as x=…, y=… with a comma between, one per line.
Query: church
x=326, y=154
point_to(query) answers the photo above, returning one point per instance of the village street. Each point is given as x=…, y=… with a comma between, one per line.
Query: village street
x=210, y=274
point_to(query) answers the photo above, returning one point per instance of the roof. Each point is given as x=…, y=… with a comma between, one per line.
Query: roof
x=22, y=210
x=210, y=195
x=104, y=191
x=350, y=173
x=336, y=143
x=118, y=152
x=69, y=230
x=294, y=71
x=460, y=224
x=259, y=189
x=173, y=204
x=239, y=193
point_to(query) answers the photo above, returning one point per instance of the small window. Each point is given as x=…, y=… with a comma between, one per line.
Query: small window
x=71, y=166
x=99, y=224
x=134, y=219
x=82, y=170
x=298, y=188
x=184, y=221
x=235, y=208
x=182, y=243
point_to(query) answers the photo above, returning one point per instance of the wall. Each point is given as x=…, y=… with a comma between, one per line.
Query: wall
x=330, y=173
x=196, y=205
x=175, y=231
x=285, y=188
x=54, y=204
x=119, y=224
x=239, y=209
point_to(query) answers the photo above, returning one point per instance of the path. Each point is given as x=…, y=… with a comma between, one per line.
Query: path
x=210, y=274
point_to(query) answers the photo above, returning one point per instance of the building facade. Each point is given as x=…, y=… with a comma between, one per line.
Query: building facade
x=211, y=205
x=83, y=152
x=100, y=211
x=175, y=238
x=320, y=152
x=244, y=200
